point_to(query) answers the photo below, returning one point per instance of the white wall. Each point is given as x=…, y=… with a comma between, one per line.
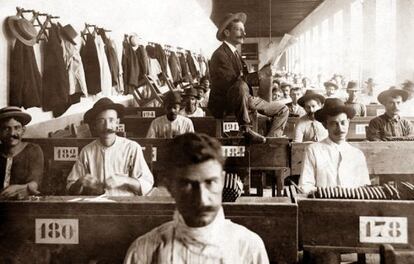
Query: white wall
x=183, y=23
x=386, y=42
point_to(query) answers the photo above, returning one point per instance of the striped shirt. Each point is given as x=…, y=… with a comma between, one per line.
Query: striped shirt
x=222, y=241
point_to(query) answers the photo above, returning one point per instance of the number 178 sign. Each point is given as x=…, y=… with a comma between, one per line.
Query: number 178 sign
x=375, y=229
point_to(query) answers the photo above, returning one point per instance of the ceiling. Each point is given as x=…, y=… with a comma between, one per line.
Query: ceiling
x=286, y=14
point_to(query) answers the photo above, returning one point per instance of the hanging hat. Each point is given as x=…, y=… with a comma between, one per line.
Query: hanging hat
x=22, y=29
x=172, y=98
x=332, y=107
x=69, y=33
x=16, y=113
x=392, y=92
x=353, y=86
x=226, y=21
x=330, y=83
x=310, y=95
x=101, y=105
x=191, y=92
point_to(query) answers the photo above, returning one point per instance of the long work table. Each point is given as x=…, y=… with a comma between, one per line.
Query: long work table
x=82, y=229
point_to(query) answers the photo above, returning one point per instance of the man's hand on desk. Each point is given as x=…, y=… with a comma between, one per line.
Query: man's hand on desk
x=18, y=191
x=117, y=181
x=89, y=182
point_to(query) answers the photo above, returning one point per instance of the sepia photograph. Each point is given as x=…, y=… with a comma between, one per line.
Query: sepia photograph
x=207, y=131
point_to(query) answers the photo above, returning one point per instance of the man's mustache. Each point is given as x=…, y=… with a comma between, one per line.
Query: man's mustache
x=15, y=136
x=109, y=130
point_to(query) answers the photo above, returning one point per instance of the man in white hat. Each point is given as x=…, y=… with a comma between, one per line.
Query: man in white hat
x=390, y=124
x=110, y=164
x=231, y=83
x=21, y=163
x=199, y=232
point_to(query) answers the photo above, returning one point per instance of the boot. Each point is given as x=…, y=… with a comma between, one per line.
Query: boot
x=252, y=137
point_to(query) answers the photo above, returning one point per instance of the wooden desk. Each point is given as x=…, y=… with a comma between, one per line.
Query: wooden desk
x=346, y=226
x=385, y=159
x=375, y=109
x=104, y=230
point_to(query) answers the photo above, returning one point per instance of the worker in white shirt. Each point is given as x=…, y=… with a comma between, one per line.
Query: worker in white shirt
x=110, y=164
x=333, y=161
x=172, y=123
x=191, y=105
x=199, y=231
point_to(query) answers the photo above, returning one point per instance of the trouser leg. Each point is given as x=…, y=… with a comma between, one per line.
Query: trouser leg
x=278, y=112
x=237, y=97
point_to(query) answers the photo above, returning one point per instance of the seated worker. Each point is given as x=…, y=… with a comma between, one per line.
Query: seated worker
x=203, y=94
x=307, y=128
x=331, y=89
x=172, y=123
x=277, y=94
x=286, y=87
x=333, y=161
x=390, y=124
x=191, y=108
x=21, y=163
x=353, y=101
x=295, y=110
x=204, y=83
x=199, y=232
x=110, y=164
x=231, y=84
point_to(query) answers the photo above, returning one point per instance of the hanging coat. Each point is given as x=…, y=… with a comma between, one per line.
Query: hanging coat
x=55, y=75
x=111, y=56
x=174, y=67
x=130, y=67
x=76, y=72
x=161, y=57
x=90, y=62
x=106, y=79
x=25, y=80
x=191, y=65
x=185, y=72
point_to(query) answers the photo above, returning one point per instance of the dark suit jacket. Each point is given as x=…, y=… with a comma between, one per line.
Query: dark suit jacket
x=224, y=72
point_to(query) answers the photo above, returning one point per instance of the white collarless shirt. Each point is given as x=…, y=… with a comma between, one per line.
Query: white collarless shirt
x=327, y=163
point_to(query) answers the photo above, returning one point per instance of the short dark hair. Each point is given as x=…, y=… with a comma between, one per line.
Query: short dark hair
x=194, y=148
x=295, y=88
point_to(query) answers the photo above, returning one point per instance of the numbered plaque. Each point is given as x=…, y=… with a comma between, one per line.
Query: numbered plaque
x=57, y=231
x=360, y=129
x=230, y=126
x=120, y=128
x=233, y=151
x=373, y=229
x=148, y=114
x=65, y=153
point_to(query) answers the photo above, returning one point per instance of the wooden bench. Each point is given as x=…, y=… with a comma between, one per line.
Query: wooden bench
x=60, y=154
x=387, y=160
x=81, y=231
